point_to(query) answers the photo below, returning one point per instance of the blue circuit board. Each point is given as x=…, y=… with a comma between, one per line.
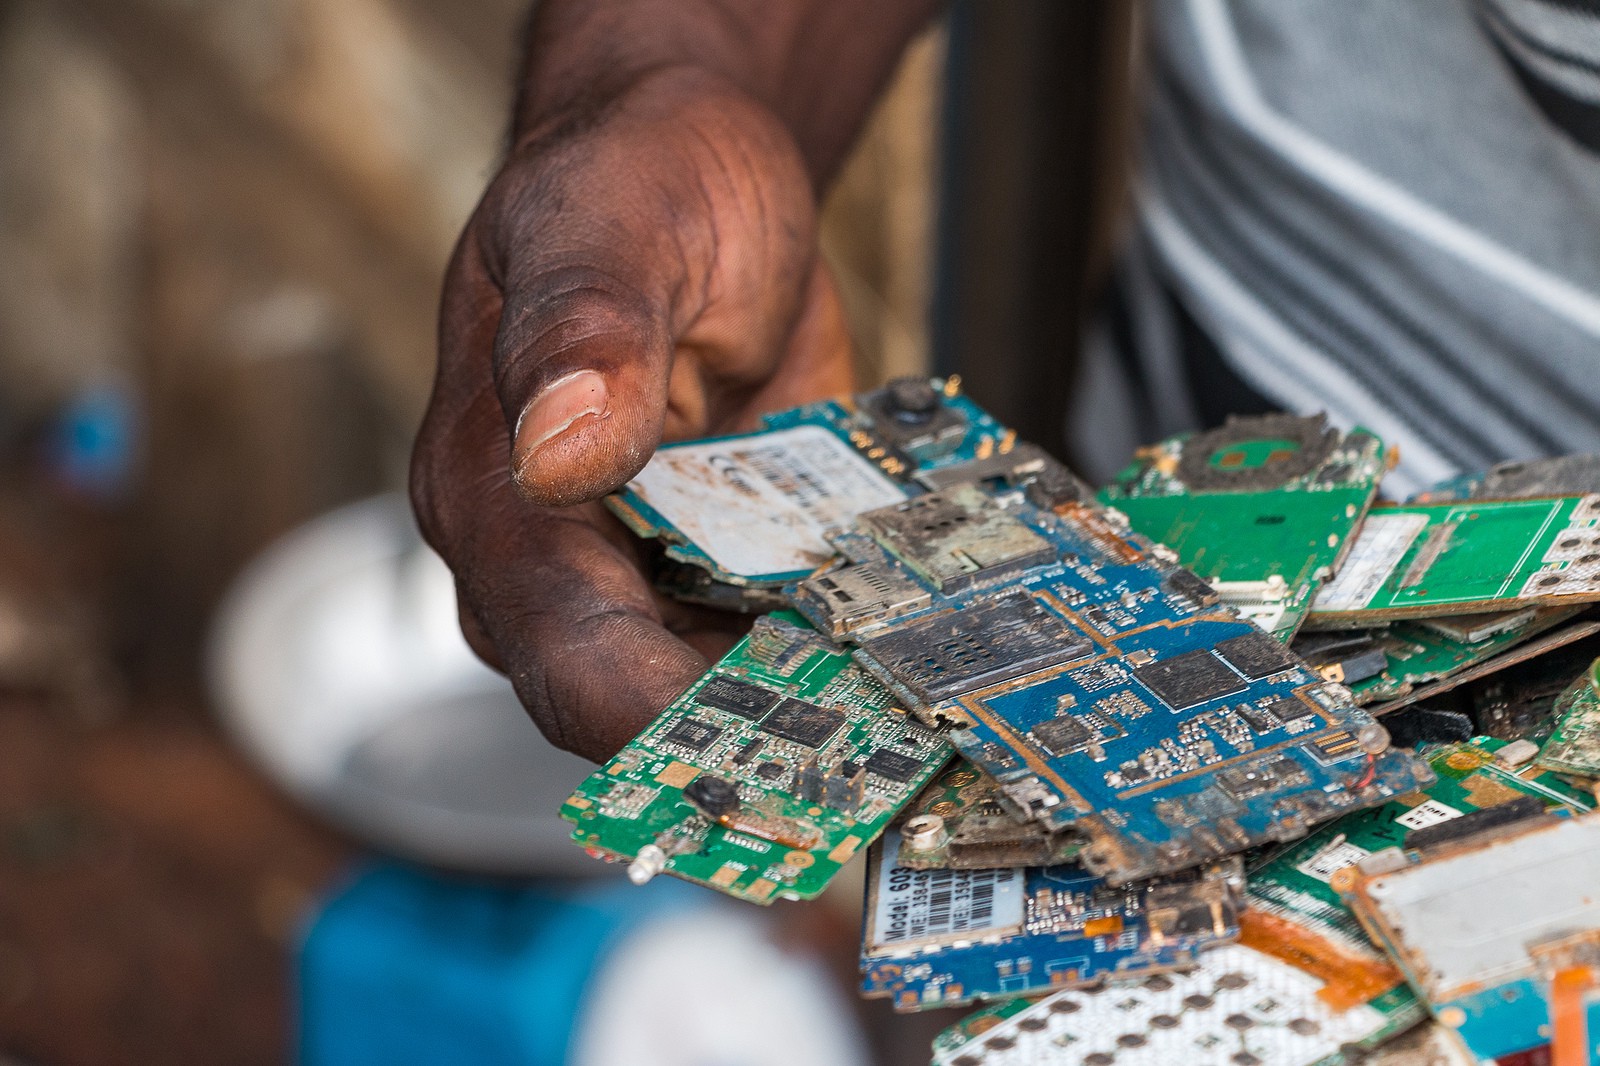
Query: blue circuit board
x=1099, y=682
x=941, y=938
x=751, y=510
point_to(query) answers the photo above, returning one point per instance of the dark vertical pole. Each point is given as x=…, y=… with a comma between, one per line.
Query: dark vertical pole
x=1028, y=86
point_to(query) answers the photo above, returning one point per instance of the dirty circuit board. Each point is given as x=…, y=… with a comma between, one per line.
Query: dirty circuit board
x=1296, y=914
x=1260, y=507
x=1237, y=1007
x=765, y=777
x=1293, y=882
x=1421, y=560
x=807, y=471
x=1418, y=652
x=1099, y=682
x=1547, y=651
x=1574, y=745
x=1499, y=986
x=947, y=937
x=960, y=822
x=1115, y=759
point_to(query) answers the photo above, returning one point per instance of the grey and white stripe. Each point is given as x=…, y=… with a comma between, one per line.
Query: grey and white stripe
x=1366, y=209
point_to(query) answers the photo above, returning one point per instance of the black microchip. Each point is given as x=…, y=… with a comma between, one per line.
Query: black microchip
x=1250, y=781
x=1132, y=771
x=1473, y=822
x=1190, y=586
x=736, y=697
x=893, y=765
x=693, y=734
x=1257, y=719
x=748, y=751
x=802, y=722
x=770, y=771
x=1062, y=735
x=1287, y=710
x=953, y=654
x=1255, y=655
x=1191, y=678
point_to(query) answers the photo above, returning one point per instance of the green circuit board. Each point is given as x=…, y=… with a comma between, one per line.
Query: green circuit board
x=1261, y=507
x=1574, y=746
x=1426, y=560
x=763, y=779
x=1293, y=881
x=1417, y=652
x=957, y=1037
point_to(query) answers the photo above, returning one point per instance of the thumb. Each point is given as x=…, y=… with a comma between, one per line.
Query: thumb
x=582, y=363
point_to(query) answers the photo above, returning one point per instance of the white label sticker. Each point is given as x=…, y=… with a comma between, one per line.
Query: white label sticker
x=1333, y=858
x=1383, y=539
x=919, y=907
x=1429, y=812
x=759, y=505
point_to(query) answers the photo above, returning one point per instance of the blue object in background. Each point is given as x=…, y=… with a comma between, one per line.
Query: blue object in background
x=92, y=445
x=406, y=966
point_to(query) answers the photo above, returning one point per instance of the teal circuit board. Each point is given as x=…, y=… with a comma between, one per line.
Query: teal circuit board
x=1097, y=681
x=764, y=778
x=753, y=510
x=1464, y=557
x=1261, y=507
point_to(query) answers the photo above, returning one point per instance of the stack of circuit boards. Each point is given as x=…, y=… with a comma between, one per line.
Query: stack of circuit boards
x=1227, y=762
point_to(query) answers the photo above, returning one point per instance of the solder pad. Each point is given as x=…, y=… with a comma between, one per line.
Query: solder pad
x=1237, y=1006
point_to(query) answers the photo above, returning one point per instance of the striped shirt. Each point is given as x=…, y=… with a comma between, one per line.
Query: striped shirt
x=1386, y=209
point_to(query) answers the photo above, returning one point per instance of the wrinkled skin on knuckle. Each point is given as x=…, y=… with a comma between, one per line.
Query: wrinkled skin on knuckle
x=670, y=236
x=644, y=669
x=687, y=193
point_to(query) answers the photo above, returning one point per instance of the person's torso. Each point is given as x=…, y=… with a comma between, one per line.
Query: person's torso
x=1390, y=211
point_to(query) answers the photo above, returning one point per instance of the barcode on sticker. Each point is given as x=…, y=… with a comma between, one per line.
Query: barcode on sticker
x=1331, y=859
x=1430, y=812
x=917, y=907
x=1377, y=550
x=775, y=464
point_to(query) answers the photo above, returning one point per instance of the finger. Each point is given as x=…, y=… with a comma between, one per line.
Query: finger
x=548, y=597
x=591, y=277
x=576, y=629
x=583, y=360
x=649, y=268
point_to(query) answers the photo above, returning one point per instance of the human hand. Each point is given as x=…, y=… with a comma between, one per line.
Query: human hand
x=645, y=269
